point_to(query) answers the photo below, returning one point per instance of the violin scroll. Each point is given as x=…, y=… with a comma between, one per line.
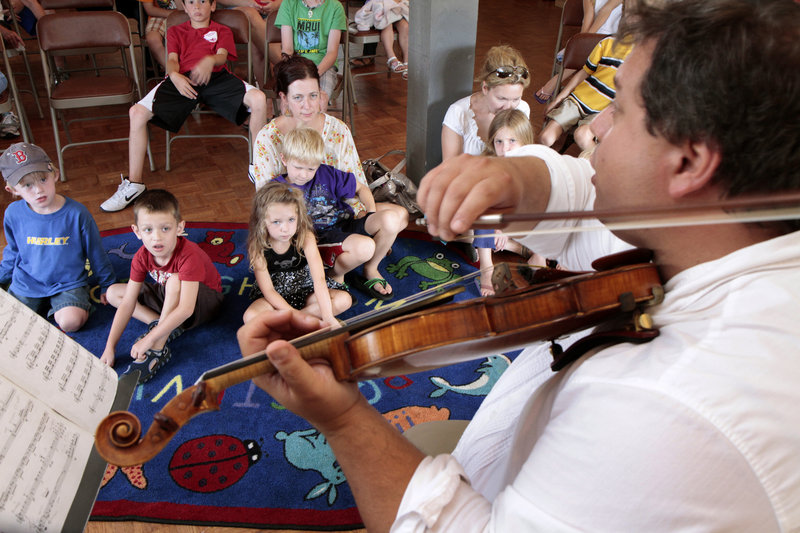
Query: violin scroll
x=118, y=437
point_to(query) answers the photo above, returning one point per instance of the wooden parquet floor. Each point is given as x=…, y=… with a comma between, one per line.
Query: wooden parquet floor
x=209, y=177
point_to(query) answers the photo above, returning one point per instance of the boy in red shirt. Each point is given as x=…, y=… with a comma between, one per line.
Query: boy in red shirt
x=187, y=292
x=197, y=52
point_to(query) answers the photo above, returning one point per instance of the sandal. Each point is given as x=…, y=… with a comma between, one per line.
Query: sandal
x=368, y=286
x=177, y=332
x=395, y=65
x=154, y=360
x=362, y=62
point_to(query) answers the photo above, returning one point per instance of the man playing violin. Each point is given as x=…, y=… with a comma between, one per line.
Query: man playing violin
x=698, y=429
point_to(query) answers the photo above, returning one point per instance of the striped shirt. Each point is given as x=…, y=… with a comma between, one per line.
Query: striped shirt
x=596, y=92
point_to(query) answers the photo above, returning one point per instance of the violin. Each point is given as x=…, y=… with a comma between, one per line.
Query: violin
x=529, y=305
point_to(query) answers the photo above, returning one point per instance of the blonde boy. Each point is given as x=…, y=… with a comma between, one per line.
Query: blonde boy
x=364, y=240
x=187, y=291
x=49, y=239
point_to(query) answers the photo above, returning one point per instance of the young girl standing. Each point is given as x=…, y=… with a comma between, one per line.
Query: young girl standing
x=509, y=129
x=285, y=258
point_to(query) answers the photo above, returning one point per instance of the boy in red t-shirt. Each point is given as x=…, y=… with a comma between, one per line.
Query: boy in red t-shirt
x=197, y=51
x=187, y=292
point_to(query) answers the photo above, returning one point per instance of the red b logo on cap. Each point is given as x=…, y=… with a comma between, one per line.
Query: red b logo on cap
x=21, y=156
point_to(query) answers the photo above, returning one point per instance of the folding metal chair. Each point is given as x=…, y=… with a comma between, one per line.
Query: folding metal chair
x=240, y=26
x=14, y=99
x=571, y=16
x=72, y=34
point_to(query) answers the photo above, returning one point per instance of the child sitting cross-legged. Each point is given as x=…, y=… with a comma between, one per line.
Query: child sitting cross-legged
x=365, y=239
x=187, y=291
x=285, y=258
x=49, y=238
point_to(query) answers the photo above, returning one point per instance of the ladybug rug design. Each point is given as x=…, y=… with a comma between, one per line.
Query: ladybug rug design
x=253, y=463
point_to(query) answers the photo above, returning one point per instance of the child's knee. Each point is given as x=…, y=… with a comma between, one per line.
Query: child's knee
x=115, y=293
x=360, y=246
x=139, y=115
x=173, y=285
x=71, y=319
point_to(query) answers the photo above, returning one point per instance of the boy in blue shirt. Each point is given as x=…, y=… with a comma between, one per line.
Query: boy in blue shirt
x=49, y=239
x=365, y=238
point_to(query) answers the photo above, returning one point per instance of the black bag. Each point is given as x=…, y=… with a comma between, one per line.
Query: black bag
x=392, y=185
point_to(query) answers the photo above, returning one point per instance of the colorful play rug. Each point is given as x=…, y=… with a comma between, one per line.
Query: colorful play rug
x=254, y=464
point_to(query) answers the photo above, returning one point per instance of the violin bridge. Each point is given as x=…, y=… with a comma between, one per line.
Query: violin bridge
x=501, y=278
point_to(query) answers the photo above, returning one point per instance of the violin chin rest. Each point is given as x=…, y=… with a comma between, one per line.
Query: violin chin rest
x=628, y=257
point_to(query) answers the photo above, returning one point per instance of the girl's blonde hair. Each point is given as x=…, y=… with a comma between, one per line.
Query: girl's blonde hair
x=517, y=122
x=503, y=56
x=304, y=145
x=275, y=192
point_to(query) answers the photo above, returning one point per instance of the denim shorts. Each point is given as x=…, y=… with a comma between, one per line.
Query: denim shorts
x=77, y=297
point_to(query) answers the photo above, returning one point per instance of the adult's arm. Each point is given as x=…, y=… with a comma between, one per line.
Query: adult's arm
x=376, y=459
x=266, y=155
x=461, y=189
x=452, y=143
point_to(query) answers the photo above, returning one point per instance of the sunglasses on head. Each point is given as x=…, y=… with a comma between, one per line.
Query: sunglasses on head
x=506, y=72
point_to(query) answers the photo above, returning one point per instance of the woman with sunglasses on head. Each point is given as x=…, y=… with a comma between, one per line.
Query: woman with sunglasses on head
x=503, y=77
x=465, y=129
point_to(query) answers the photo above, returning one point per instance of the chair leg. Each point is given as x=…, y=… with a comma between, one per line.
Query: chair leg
x=150, y=154
x=169, y=144
x=54, y=120
x=33, y=84
x=27, y=134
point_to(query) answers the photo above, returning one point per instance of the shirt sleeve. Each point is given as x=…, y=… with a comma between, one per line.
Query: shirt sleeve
x=283, y=18
x=98, y=258
x=596, y=54
x=138, y=265
x=338, y=135
x=266, y=154
x=10, y=252
x=454, y=119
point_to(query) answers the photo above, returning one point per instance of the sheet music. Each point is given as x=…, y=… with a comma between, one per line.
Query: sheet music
x=53, y=393
x=45, y=362
x=42, y=458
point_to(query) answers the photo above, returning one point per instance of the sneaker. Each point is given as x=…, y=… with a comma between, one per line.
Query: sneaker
x=126, y=193
x=9, y=125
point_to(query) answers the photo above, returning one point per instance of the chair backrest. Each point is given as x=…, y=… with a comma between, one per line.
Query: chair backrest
x=572, y=13
x=83, y=29
x=579, y=47
x=232, y=18
x=273, y=31
x=77, y=4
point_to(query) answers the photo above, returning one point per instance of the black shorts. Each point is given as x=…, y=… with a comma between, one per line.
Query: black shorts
x=206, y=308
x=224, y=93
x=343, y=229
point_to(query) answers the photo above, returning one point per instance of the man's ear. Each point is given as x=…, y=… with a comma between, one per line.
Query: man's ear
x=698, y=163
x=12, y=191
x=135, y=229
x=181, y=226
x=283, y=159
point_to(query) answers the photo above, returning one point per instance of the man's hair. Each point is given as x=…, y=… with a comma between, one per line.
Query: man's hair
x=156, y=201
x=293, y=68
x=726, y=72
x=304, y=145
